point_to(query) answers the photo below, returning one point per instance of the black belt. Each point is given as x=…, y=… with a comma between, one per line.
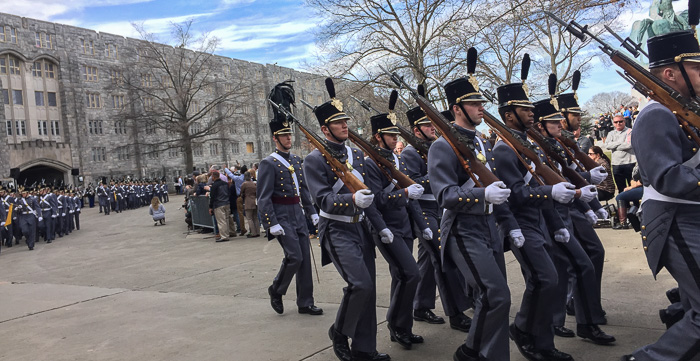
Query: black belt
x=285, y=200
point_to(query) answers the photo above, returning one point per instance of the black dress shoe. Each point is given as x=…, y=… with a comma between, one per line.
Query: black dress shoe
x=562, y=331
x=416, y=338
x=594, y=333
x=49, y=241
x=402, y=337
x=461, y=322
x=340, y=345
x=31, y=248
x=669, y=319
x=464, y=353
x=628, y=358
x=556, y=355
x=369, y=356
x=311, y=310
x=426, y=315
x=275, y=301
x=673, y=295
x=525, y=345
x=570, y=310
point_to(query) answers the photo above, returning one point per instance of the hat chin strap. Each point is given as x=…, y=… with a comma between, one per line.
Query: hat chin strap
x=283, y=147
x=381, y=136
x=687, y=80
x=333, y=135
x=517, y=117
x=469, y=119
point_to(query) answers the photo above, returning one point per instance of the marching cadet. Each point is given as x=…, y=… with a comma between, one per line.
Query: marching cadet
x=283, y=205
x=531, y=203
x=432, y=271
x=27, y=210
x=394, y=228
x=49, y=211
x=103, y=197
x=571, y=255
x=70, y=226
x=164, y=190
x=6, y=233
x=668, y=163
x=344, y=237
x=62, y=206
x=76, y=212
x=113, y=197
x=469, y=237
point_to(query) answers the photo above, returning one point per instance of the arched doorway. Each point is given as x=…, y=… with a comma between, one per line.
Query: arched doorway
x=41, y=174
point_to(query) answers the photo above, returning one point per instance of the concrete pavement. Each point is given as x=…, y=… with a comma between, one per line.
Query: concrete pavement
x=122, y=289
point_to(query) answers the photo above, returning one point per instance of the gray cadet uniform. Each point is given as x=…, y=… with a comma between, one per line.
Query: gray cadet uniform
x=49, y=211
x=469, y=239
x=103, y=198
x=284, y=200
x=346, y=242
x=28, y=212
x=432, y=272
x=669, y=164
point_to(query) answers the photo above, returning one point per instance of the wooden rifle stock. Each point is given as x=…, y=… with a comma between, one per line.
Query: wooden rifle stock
x=567, y=141
x=551, y=153
x=349, y=179
x=549, y=176
x=386, y=165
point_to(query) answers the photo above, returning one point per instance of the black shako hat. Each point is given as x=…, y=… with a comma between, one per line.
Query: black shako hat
x=416, y=116
x=384, y=124
x=332, y=110
x=546, y=111
x=568, y=102
x=673, y=48
x=280, y=125
x=513, y=94
x=463, y=90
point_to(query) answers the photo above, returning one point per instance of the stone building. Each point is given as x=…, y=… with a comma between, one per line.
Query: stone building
x=65, y=120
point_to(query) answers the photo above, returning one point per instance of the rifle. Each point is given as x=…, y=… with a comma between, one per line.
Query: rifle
x=686, y=110
x=634, y=48
x=567, y=141
x=416, y=142
x=461, y=145
x=383, y=157
x=331, y=155
x=552, y=154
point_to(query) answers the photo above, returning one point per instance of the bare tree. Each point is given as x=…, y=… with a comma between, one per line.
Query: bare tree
x=181, y=95
x=607, y=102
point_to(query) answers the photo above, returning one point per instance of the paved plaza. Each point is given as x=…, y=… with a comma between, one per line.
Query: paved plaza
x=122, y=289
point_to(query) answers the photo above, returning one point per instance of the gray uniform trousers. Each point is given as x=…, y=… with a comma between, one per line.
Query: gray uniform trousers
x=59, y=221
x=352, y=252
x=479, y=258
x=27, y=223
x=297, y=258
x=404, y=279
x=681, y=257
x=570, y=258
x=434, y=272
x=47, y=225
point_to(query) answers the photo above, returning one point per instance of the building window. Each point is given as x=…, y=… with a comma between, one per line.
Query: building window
x=17, y=97
x=146, y=80
x=120, y=127
x=90, y=73
x=41, y=124
x=150, y=128
x=267, y=146
x=173, y=152
x=235, y=148
x=3, y=65
x=95, y=126
x=9, y=127
x=247, y=129
x=20, y=127
x=250, y=147
x=93, y=100
x=213, y=149
x=54, y=127
x=39, y=98
x=123, y=153
x=116, y=76
x=88, y=47
x=14, y=67
x=99, y=154
x=117, y=101
x=8, y=34
x=36, y=69
x=195, y=128
x=51, y=98
x=5, y=94
x=198, y=151
x=44, y=40
x=148, y=104
x=48, y=68
x=111, y=51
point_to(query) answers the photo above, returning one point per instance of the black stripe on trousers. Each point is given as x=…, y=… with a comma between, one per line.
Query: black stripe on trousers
x=390, y=254
x=694, y=270
x=485, y=307
x=581, y=290
x=344, y=305
x=534, y=300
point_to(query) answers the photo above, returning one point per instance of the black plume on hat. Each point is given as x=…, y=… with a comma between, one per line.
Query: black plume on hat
x=548, y=109
x=386, y=122
x=416, y=115
x=568, y=102
x=332, y=110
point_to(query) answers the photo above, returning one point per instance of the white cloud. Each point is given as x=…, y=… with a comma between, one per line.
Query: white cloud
x=154, y=26
x=48, y=9
x=241, y=37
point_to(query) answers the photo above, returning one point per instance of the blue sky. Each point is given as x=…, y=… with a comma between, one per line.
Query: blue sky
x=262, y=31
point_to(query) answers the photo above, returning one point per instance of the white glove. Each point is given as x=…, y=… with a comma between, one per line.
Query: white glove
x=602, y=214
x=415, y=191
x=314, y=219
x=588, y=193
x=497, y=193
x=427, y=234
x=41, y=219
x=363, y=198
x=562, y=235
x=386, y=236
x=591, y=217
x=71, y=212
x=277, y=230
x=517, y=236
x=598, y=174
x=78, y=210
x=2, y=224
x=54, y=215
x=63, y=215
x=563, y=192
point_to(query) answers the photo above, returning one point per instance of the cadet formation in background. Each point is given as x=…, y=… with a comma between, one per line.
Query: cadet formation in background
x=466, y=201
